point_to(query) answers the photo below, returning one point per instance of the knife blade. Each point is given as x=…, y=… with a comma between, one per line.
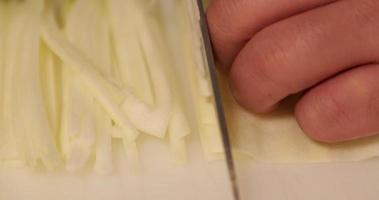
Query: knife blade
x=218, y=101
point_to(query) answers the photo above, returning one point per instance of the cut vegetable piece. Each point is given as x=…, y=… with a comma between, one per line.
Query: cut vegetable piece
x=103, y=149
x=80, y=151
x=198, y=50
x=208, y=113
x=158, y=114
x=181, y=124
x=70, y=124
x=77, y=133
x=91, y=30
x=149, y=119
x=116, y=132
x=178, y=151
x=3, y=38
x=213, y=140
x=204, y=112
x=107, y=94
x=29, y=121
x=51, y=78
x=211, y=144
x=140, y=105
x=9, y=153
x=131, y=64
x=132, y=157
x=187, y=36
x=107, y=69
x=178, y=130
x=3, y=55
x=211, y=136
x=177, y=33
x=81, y=142
x=87, y=29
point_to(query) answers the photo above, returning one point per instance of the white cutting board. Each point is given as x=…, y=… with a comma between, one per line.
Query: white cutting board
x=199, y=180
x=338, y=181
x=158, y=179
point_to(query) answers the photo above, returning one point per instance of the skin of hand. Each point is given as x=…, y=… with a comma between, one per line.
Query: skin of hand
x=327, y=49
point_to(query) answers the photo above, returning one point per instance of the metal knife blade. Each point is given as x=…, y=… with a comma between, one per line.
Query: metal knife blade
x=218, y=101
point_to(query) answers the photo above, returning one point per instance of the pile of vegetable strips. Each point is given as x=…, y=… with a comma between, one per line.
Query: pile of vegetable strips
x=78, y=75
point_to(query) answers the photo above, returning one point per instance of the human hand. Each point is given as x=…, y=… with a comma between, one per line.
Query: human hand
x=327, y=48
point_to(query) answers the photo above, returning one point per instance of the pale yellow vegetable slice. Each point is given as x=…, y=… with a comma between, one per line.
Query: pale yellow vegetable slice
x=71, y=112
x=196, y=46
x=130, y=67
x=80, y=143
x=132, y=153
x=141, y=105
x=9, y=154
x=106, y=93
x=119, y=77
x=180, y=127
x=183, y=33
x=87, y=29
x=11, y=46
x=207, y=124
x=3, y=38
x=29, y=120
x=131, y=64
x=178, y=130
x=103, y=146
x=51, y=77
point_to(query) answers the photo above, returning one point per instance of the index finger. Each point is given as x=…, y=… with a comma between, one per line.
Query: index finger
x=233, y=22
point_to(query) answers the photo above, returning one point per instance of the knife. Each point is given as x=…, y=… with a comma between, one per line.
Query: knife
x=218, y=101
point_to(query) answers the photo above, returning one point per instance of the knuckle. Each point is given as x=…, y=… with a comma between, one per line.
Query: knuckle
x=282, y=50
x=272, y=60
x=366, y=13
x=331, y=109
x=256, y=69
x=241, y=86
x=220, y=16
x=249, y=90
x=373, y=105
x=317, y=115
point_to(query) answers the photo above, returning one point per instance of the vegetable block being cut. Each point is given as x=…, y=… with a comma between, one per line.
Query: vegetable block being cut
x=79, y=76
